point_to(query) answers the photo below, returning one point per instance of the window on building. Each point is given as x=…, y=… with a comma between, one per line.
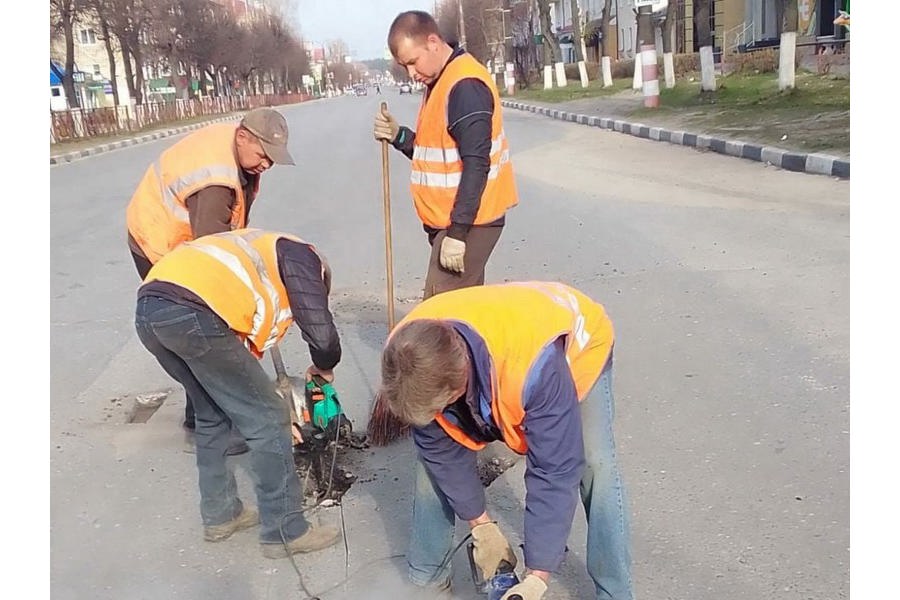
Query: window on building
x=88, y=37
x=96, y=70
x=54, y=92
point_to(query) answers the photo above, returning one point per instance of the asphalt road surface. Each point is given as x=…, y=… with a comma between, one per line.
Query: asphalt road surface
x=728, y=284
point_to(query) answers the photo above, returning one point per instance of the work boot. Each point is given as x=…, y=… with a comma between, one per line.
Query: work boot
x=437, y=591
x=316, y=538
x=216, y=533
x=236, y=444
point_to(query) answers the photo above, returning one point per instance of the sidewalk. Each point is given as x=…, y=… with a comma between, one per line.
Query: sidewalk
x=744, y=117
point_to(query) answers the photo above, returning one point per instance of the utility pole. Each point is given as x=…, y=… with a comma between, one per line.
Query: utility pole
x=462, y=24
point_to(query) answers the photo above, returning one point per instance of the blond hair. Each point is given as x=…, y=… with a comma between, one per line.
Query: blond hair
x=423, y=366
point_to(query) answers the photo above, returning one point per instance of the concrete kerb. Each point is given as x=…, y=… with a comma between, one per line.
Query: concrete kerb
x=814, y=163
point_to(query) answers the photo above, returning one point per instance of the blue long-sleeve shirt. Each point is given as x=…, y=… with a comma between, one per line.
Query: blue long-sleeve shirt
x=554, y=460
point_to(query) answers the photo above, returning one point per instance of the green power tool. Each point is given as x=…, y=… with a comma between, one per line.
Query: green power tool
x=323, y=407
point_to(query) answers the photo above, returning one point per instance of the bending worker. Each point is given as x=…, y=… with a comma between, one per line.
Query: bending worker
x=528, y=364
x=207, y=311
x=462, y=179
x=205, y=183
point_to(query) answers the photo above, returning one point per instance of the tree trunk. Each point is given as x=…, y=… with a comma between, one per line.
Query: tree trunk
x=138, y=72
x=578, y=42
x=69, y=75
x=605, y=61
x=211, y=77
x=201, y=80
x=668, y=41
x=787, y=52
x=551, y=43
x=177, y=81
x=704, y=43
x=129, y=75
x=110, y=56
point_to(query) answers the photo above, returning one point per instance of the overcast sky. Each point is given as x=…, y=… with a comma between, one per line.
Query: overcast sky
x=362, y=24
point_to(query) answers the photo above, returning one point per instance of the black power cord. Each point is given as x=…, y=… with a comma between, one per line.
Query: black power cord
x=287, y=550
x=347, y=577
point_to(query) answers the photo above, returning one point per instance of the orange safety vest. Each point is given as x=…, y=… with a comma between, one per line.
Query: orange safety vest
x=236, y=275
x=157, y=215
x=517, y=321
x=436, y=165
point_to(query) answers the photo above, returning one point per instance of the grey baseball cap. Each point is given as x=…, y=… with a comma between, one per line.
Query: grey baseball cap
x=272, y=130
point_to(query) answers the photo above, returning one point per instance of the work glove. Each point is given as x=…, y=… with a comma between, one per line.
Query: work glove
x=452, y=253
x=490, y=548
x=386, y=126
x=531, y=588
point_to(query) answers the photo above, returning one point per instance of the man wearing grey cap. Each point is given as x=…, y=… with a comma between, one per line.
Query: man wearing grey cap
x=203, y=184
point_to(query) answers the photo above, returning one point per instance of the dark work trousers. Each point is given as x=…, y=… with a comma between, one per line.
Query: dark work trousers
x=230, y=391
x=143, y=265
x=479, y=245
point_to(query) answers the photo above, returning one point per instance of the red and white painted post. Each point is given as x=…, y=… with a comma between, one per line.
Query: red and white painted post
x=649, y=74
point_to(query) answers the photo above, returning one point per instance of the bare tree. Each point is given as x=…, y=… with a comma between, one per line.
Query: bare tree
x=446, y=15
x=336, y=50
x=578, y=41
x=704, y=43
x=63, y=14
x=100, y=10
x=552, y=53
x=524, y=48
x=128, y=21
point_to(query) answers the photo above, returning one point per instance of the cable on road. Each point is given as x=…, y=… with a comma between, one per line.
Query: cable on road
x=347, y=577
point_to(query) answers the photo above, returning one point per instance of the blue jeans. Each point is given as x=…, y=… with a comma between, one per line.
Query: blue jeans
x=228, y=387
x=602, y=494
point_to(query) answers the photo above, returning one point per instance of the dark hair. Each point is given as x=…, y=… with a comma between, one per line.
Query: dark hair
x=413, y=24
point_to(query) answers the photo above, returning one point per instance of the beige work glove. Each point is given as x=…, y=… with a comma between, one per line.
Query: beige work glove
x=531, y=588
x=452, y=253
x=386, y=126
x=490, y=548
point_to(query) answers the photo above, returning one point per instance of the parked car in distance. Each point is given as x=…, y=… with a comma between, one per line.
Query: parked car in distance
x=360, y=90
x=405, y=88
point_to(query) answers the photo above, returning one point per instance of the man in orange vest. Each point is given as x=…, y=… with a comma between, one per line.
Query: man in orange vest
x=207, y=311
x=528, y=364
x=462, y=180
x=203, y=184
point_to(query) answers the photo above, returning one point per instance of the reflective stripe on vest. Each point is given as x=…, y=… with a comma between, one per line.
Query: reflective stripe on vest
x=174, y=189
x=265, y=312
x=264, y=246
x=452, y=175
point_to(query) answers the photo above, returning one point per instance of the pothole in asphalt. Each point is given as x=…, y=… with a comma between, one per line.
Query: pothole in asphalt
x=326, y=461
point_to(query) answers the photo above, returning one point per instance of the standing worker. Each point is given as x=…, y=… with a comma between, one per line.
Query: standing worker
x=207, y=311
x=204, y=184
x=462, y=179
x=528, y=364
